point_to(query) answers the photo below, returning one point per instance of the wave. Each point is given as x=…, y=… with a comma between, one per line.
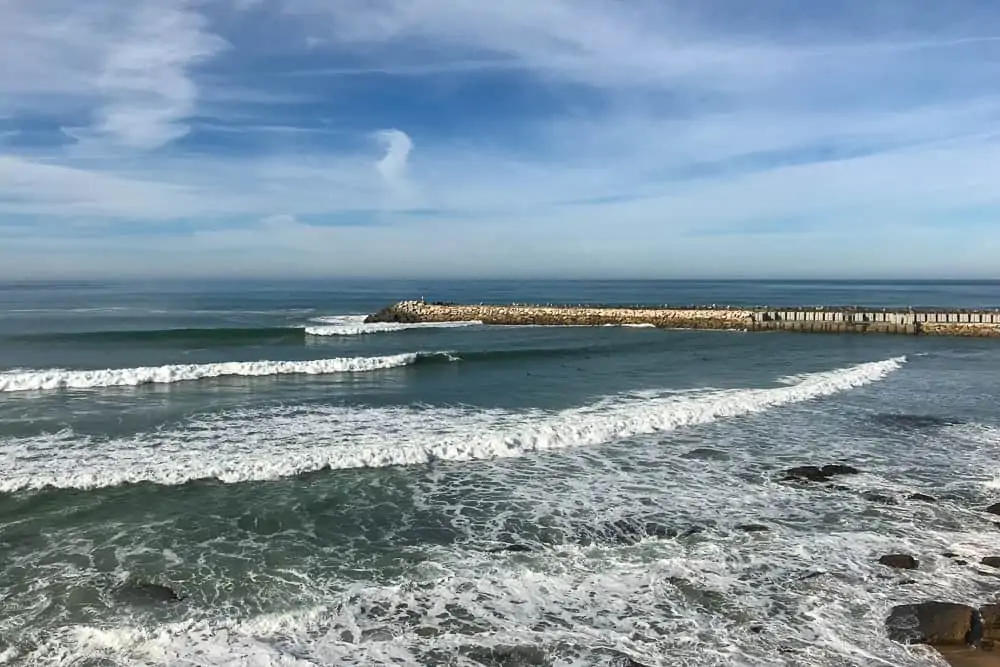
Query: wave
x=37, y=380
x=184, y=336
x=243, y=446
x=355, y=325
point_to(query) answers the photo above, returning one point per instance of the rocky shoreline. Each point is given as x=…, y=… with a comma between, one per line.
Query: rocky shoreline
x=967, y=323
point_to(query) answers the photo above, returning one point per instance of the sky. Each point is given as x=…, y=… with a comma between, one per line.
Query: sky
x=523, y=138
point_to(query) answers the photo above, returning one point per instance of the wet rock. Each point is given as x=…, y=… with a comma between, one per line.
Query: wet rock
x=960, y=561
x=752, y=528
x=994, y=508
x=991, y=561
x=914, y=422
x=935, y=623
x=922, y=497
x=806, y=473
x=899, y=561
x=819, y=474
x=706, y=454
x=950, y=554
x=625, y=661
x=511, y=548
x=504, y=656
x=877, y=497
x=146, y=593
x=839, y=469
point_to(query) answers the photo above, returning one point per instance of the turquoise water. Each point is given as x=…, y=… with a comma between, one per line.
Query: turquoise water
x=322, y=492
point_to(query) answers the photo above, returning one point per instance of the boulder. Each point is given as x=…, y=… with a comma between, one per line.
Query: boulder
x=806, y=473
x=899, y=561
x=839, y=469
x=994, y=508
x=819, y=474
x=991, y=561
x=935, y=623
x=876, y=497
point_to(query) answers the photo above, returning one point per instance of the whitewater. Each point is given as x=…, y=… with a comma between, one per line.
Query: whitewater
x=51, y=379
x=242, y=447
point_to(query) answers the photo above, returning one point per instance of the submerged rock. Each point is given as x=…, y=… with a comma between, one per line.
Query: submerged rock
x=512, y=548
x=994, y=508
x=922, y=497
x=144, y=592
x=991, y=561
x=935, y=623
x=899, y=561
x=752, y=528
x=876, y=497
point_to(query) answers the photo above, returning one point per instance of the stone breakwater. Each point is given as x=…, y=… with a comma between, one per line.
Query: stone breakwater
x=937, y=322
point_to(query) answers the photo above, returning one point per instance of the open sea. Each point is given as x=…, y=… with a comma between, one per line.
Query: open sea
x=318, y=491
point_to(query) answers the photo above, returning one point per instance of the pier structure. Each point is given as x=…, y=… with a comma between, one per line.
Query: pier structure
x=848, y=319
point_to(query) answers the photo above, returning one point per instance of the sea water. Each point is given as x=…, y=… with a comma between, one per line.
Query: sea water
x=321, y=491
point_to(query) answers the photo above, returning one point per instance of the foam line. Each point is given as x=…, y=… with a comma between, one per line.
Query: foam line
x=243, y=446
x=354, y=325
x=37, y=380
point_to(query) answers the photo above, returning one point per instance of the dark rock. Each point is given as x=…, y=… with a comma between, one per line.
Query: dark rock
x=991, y=561
x=513, y=548
x=752, y=528
x=935, y=623
x=914, y=422
x=950, y=554
x=994, y=508
x=839, y=469
x=899, y=561
x=141, y=592
x=819, y=474
x=876, y=497
x=922, y=497
x=706, y=454
x=756, y=629
x=960, y=561
x=625, y=661
x=806, y=473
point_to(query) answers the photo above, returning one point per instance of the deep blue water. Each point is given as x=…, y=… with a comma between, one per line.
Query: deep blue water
x=322, y=492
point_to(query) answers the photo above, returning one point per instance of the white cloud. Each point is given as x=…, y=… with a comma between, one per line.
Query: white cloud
x=397, y=146
x=145, y=77
x=675, y=133
x=122, y=70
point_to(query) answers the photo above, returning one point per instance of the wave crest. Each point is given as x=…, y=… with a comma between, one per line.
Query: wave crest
x=50, y=379
x=240, y=446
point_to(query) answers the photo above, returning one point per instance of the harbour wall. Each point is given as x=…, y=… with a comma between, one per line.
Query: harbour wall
x=931, y=322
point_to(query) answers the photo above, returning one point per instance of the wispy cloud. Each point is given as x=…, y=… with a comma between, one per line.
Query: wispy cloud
x=598, y=133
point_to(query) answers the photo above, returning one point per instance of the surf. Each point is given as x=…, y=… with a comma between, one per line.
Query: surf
x=243, y=446
x=56, y=379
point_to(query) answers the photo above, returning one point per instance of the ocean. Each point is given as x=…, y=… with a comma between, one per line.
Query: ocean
x=318, y=491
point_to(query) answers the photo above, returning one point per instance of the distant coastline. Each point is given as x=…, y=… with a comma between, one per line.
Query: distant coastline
x=820, y=319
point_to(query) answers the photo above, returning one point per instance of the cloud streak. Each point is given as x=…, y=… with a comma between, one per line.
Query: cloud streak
x=570, y=133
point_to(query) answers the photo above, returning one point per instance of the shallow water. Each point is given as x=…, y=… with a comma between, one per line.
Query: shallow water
x=344, y=509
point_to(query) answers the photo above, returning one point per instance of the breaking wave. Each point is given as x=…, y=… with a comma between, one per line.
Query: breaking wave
x=355, y=325
x=241, y=446
x=50, y=379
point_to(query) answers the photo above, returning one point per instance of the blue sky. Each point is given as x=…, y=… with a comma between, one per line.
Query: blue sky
x=538, y=138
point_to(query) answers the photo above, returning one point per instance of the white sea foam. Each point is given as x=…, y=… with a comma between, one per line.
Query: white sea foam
x=240, y=446
x=35, y=380
x=355, y=325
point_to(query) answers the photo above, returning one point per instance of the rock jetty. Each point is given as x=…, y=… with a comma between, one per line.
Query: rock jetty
x=980, y=323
